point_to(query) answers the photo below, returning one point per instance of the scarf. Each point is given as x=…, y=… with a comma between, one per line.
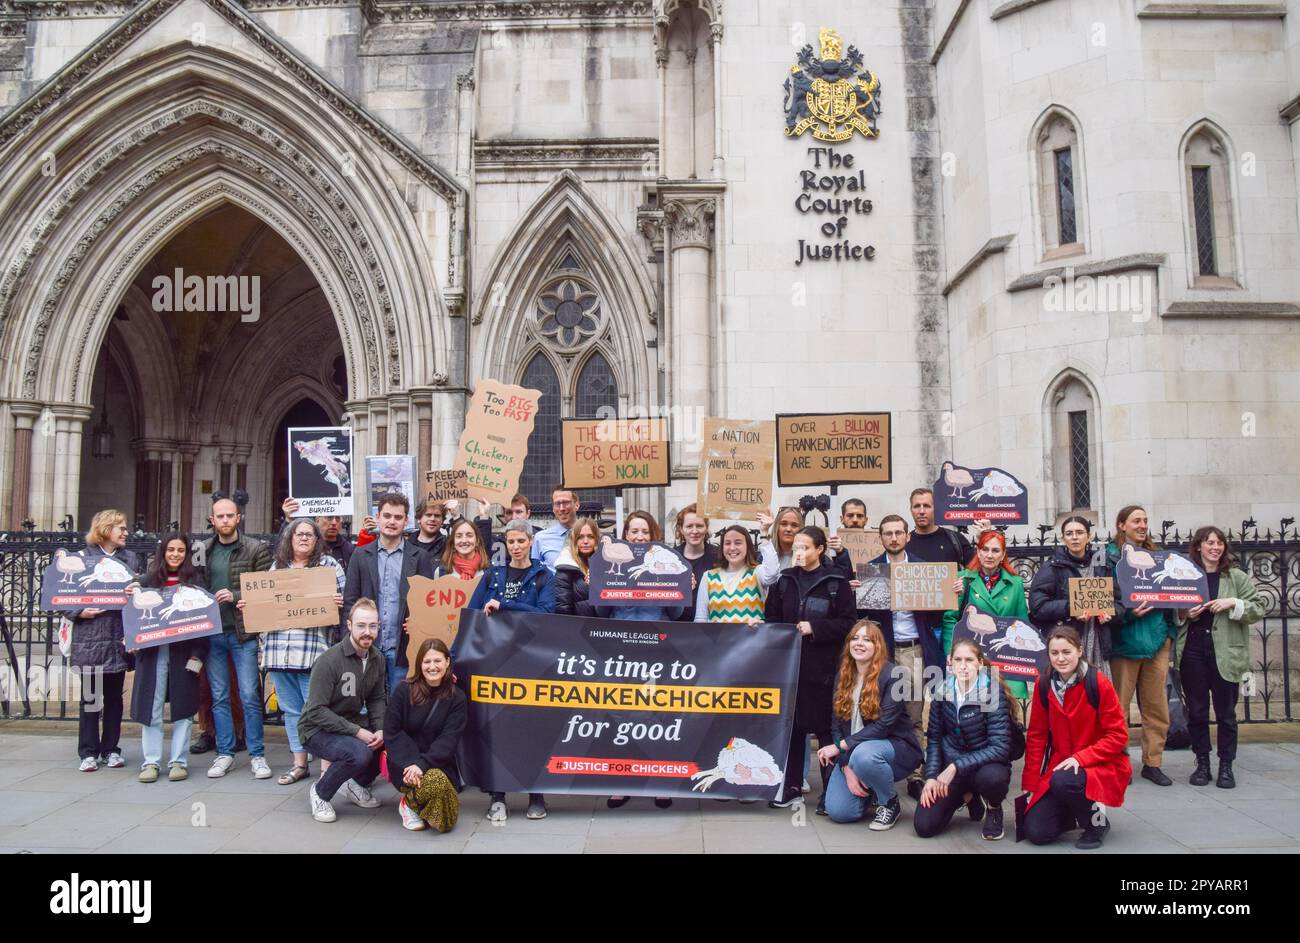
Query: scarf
x=1059, y=687
x=991, y=581
x=466, y=567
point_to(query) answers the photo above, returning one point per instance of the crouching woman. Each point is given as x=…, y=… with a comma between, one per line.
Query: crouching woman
x=1076, y=748
x=422, y=728
x=873, y=744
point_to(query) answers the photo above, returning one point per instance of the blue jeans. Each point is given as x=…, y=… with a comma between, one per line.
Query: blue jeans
x=349, y=759
x=873, y=763
x=291, y=693
x=244, y=656
x=395, y=674
x=151, y=737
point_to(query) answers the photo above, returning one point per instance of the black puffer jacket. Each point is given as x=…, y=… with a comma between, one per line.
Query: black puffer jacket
x=829, y=606
x=978, y=732
x=1049, y=594
x=571, y=590
x=97, y=641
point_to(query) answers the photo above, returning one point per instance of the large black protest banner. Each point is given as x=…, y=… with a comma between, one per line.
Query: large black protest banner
x=1162, y=579
x=561, y=704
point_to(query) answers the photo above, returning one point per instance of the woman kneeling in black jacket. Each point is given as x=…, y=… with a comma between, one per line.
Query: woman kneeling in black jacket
x=422, y=728
x=969, y=746
x=873, y=745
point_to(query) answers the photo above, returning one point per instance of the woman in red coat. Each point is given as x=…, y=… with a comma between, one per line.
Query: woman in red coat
x=1076, y=749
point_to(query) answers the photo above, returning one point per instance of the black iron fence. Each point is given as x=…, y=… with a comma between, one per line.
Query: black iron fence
x=34, y=681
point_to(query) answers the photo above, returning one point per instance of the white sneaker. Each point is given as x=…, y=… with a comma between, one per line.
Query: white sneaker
x=89, y=765
x=261, y=769
x=497, y=812
x=805, y=788
x=115, y=761
x=321, y=810
x=220, y=766
x=360, y=795
x=411, y=820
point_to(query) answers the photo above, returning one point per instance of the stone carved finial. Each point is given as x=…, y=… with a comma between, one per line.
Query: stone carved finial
x=465, y=80
x=440, y=379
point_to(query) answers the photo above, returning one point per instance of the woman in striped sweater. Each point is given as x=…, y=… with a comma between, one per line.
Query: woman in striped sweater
x=732, y=592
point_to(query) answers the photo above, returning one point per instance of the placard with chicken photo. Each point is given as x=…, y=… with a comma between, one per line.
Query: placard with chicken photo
x=1012, y=645
x=74, y=581
x=624, y=574
x=1162, y=579
x=320, y=470
x=172, y=614
x=962, y=495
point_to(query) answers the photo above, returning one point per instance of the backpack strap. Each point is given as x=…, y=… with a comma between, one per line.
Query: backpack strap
x=538, y=579
x=1091, y=689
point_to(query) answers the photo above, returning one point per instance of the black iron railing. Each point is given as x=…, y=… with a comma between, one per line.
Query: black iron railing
x=34, y=683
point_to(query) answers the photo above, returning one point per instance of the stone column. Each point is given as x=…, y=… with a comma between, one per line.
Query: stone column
x=690, y=232
x=188, y=451
x=69, y=421
x=255, y=502
x=25, y=415
x=715, y=48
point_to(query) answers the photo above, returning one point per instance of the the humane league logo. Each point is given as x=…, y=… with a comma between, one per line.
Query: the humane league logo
x=628, y=638
x=76, y=896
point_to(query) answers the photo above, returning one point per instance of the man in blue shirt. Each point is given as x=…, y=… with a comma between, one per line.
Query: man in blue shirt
x=550, y=542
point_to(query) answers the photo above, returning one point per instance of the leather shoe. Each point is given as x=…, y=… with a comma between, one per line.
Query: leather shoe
x=1156, y=775
x=205, y=743
x=1226, y=780
x=1201, y=775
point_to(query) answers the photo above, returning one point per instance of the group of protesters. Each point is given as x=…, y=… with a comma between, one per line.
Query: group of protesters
x=352, y=701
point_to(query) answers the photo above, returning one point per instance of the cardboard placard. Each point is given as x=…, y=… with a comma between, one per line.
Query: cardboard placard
x=494, y=444
x=922, y=587
x=965, y=494
x=435, y=607
x=172, y=614
x=444, y=484
x=74, y=581
x=292, y=598
x=736, y=468
x=1163, y=579
x=648, y=574
x=614, y=453
x=1012, y=645
x=833, y=449
x=320, y=470
x=1092, y=596
x=387, y=473
x=862, y=546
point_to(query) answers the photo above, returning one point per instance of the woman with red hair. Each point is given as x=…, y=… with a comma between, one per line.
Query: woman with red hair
x=990, y=585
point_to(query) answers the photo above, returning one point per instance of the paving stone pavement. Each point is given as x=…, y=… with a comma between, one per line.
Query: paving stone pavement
x=46, y=805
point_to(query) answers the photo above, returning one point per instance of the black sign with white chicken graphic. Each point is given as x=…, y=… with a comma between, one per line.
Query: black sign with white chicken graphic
x=561, y=704
x=1162, y=579
x=320, y=470
x=171, y=614
x=1012, y=645
x=624, y=574
x=74, y=581
x=962, y=495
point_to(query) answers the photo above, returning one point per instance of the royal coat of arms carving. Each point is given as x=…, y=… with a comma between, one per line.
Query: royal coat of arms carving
x=833, y=95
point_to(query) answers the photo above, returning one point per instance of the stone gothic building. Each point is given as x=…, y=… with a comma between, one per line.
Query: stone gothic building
x=1058, y=236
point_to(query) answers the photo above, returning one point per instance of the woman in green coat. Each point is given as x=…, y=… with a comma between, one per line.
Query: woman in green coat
x=1140, y=645
x=1212, y=652
x=990, y=585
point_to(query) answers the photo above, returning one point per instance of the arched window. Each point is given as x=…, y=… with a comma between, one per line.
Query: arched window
x=575, y=373
x=1212, y=261
x=1074, y=461
x=1058, y=164
x=542, y=469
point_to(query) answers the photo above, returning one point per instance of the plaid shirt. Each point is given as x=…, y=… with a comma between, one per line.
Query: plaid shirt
x=297, y=649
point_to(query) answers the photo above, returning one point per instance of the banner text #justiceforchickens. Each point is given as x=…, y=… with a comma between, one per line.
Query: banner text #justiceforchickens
x=560, y=704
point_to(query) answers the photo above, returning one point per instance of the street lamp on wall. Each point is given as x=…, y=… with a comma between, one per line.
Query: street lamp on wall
x=101, y=435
